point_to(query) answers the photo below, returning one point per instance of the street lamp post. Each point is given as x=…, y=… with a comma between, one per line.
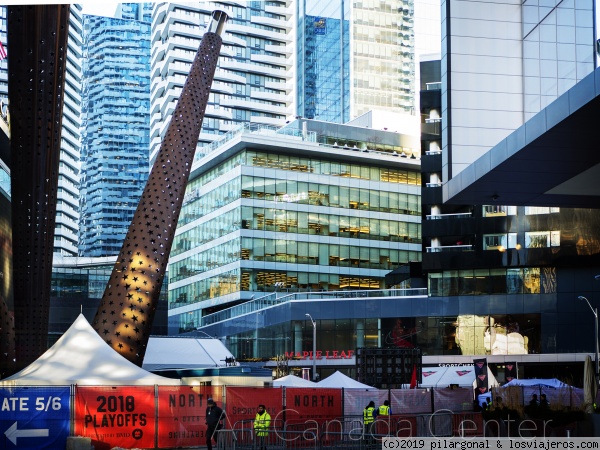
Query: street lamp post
x=595, y=312
x=314, y=353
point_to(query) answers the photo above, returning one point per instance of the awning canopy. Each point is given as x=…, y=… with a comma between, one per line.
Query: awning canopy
x=182, y=352
x=82, y=357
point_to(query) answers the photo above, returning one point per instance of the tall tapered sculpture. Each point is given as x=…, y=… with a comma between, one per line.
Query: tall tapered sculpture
x=38, y=36
x=126, y=312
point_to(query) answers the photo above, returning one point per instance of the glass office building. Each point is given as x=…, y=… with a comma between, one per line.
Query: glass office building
x=116, y=128
x=312, y=207
x=354, y=57
x=509, y=276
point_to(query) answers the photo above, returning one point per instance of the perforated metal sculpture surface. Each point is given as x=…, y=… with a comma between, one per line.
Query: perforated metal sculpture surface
x=126, y=312
x=37, y=35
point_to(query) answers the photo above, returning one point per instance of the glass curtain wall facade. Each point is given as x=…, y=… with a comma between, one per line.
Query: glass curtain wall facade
x=76, y=288
x=292, y=220
x=324, y=60
x=66, y=233
x=509, y=276
x=383, y=66
x=354, y=57
x=253, y=80
x=558, y=49
x=116, y=129
x=527, y=54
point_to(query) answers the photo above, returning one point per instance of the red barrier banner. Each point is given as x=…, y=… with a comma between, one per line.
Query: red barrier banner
x=242, y=403
x=312, y=403
x=182, y=414
x=116, y=416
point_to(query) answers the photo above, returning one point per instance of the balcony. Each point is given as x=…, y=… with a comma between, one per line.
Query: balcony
x=450, y=248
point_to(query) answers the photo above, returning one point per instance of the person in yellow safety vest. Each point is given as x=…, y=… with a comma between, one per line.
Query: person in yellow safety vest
x=369, y=415
x=262, y=421
x=385, y=410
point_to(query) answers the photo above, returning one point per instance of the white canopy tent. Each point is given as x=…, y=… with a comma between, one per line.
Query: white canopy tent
x=174, y=352
x=82, y=357
x=293, y=381
x=339, y=380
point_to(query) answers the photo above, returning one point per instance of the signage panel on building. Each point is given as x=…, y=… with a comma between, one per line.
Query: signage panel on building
x=320, y=25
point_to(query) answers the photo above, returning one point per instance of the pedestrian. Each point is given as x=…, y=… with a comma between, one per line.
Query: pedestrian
x=544, y=402
x=534, y=401
x=214, y=418
x=262, y=421
x=369, y=415
x=385, y=410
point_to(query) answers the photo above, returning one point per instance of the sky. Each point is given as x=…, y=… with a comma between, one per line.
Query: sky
x=99, y=8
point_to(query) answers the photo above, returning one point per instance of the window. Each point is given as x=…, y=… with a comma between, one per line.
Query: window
x=537, y=239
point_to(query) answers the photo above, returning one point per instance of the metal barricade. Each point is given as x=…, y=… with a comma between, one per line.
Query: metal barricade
x=348, y=432
x=242, y=437
x=434, y=425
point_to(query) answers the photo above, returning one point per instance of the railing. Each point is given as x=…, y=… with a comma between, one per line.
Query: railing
x=450, y=248
x=449, y=216
x=276, y=298
x=251, y=128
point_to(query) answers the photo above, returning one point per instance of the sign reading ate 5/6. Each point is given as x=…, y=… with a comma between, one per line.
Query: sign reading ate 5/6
x=34, y=417
x=26, y=404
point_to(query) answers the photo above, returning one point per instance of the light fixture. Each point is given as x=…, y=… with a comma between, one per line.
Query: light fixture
x=314, y=355
x=595, y=312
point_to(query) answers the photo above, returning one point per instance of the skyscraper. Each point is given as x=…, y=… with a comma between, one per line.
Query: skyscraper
x=67, y=208
x=510, y=273
x=253, y=82
x=354, y=57
x=115, y=136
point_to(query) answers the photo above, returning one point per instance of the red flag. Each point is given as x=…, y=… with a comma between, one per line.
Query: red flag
x=2, y=52
x=413, y=379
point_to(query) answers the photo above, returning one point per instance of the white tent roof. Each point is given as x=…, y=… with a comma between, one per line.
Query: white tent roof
x=293, y=381
x=339, y=380
x=463, y=376
x=164, y=353
x=82, y=357
x=546, y=382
